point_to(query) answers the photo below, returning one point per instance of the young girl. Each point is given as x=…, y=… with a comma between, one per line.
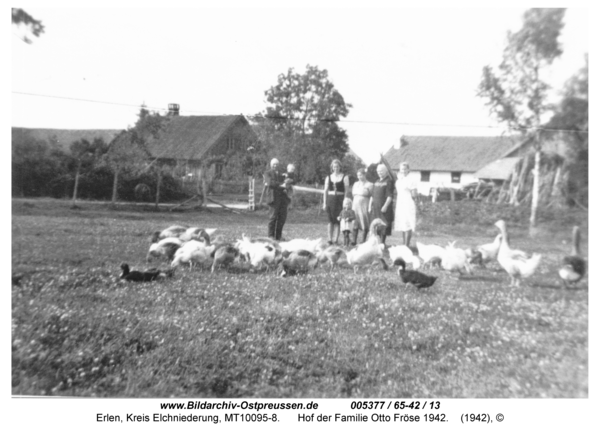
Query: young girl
x=346, y=218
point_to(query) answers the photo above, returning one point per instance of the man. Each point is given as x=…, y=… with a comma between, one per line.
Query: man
x=277, y=199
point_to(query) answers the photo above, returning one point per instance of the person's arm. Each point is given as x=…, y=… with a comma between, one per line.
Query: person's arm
x=325, y=192
x=348, y=193
x=389, y=191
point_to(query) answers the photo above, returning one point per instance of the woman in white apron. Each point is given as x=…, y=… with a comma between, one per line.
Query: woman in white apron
x=405, y=219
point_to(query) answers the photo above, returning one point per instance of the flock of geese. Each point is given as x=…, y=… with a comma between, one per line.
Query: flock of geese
x=196, y=246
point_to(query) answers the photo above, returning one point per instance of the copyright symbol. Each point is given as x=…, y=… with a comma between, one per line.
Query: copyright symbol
x=499, y=417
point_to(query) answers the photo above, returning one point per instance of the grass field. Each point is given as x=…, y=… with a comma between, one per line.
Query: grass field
x=77, y=331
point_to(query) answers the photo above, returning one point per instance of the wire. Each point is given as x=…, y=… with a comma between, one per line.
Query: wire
x=285, y=118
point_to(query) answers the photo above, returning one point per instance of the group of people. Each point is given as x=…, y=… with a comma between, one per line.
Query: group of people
x=350, y=209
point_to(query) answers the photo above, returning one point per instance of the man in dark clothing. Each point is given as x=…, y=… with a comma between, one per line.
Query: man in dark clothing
x=277, y=199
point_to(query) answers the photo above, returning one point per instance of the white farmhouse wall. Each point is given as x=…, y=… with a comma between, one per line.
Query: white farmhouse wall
x=440, y=179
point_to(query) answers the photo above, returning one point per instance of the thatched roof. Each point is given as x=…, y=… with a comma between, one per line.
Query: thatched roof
x=498, y=169
x=65, y=137
x=451, y=153
x=190, y=137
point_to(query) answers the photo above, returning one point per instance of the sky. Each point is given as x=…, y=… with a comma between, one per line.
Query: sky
x=406, y=71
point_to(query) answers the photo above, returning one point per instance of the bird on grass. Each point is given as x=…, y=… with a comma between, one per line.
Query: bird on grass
x=165, y=248
x=573, y=267
x=297, y=262
x=369, y=251
x=516, y=263
x=331, y=254
x=224, y=255
x=146, y=276
x=416, y=278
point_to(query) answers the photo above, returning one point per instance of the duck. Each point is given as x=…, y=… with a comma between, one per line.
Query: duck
x=404, y=253
x=224, y=255
x=515, y=262
x=455, y=259
x=165, y=248
x=370, y=251
x=574, y=266
x=192, y=252
x=430, y=252
x=297, y=262
x=331, y=254
x=417, y=279
x=145, y=276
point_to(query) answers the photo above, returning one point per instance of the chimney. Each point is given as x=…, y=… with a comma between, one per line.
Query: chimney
x=398, y=144
x=173, y=110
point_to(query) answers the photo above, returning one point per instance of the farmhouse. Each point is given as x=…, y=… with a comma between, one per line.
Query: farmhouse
x=455, y=161
x=191, y=141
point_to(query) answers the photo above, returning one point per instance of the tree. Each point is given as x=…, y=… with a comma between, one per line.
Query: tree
x=300, y=122
x=128, y=149
x=19, y=16
x=85, y=155
x=516, y=92
x=571, y=116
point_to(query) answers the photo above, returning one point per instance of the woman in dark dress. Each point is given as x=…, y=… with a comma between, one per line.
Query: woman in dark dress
x=382, y=202
x=337, y=186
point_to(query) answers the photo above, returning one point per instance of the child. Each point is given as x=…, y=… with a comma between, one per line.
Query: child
x=346, y=218
x=290, y=180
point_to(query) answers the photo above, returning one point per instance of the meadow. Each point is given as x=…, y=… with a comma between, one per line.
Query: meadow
x=78, y=331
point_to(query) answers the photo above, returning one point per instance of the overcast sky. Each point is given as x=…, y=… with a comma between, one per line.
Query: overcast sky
x=405, y=71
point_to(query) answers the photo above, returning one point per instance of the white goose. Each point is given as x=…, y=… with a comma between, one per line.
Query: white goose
x=369, y=251
x=515, y=262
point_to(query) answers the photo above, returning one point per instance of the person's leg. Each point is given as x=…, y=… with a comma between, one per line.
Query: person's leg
x=404, y=237
x=365, y=234
x=330, y=232
x=354, y=236
x=336, y=229
x=282, y=211
x=272, y=221
x=408, y=237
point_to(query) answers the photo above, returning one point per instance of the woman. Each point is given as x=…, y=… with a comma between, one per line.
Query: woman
x=383, y=196
x=362, y=193
x=337, y=186
x=406, y=210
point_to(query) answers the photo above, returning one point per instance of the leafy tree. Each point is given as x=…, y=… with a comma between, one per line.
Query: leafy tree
x=128, y=151
x=36, y=166
x=571, y=115
x=300, y=122
x=516, y=92
x=19, y=16
x=85, y=155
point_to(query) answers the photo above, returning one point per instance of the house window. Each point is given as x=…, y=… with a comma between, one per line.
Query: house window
x=455, y=177
x=230, y=143
x=425, y=176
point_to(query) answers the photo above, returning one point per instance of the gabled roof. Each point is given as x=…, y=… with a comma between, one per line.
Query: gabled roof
x=451, y=153
x=498, y=169
x=190, y=137
x=65, y=137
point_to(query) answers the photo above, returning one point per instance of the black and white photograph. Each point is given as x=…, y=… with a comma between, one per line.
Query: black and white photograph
x=363, y=204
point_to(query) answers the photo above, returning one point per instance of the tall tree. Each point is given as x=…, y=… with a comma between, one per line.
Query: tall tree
x=20, y=17
x=571, y=116
x=516, y=92
x=85, y=154
x=300, y=121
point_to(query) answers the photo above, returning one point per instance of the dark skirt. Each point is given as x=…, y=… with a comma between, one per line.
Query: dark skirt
x=334, y=207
